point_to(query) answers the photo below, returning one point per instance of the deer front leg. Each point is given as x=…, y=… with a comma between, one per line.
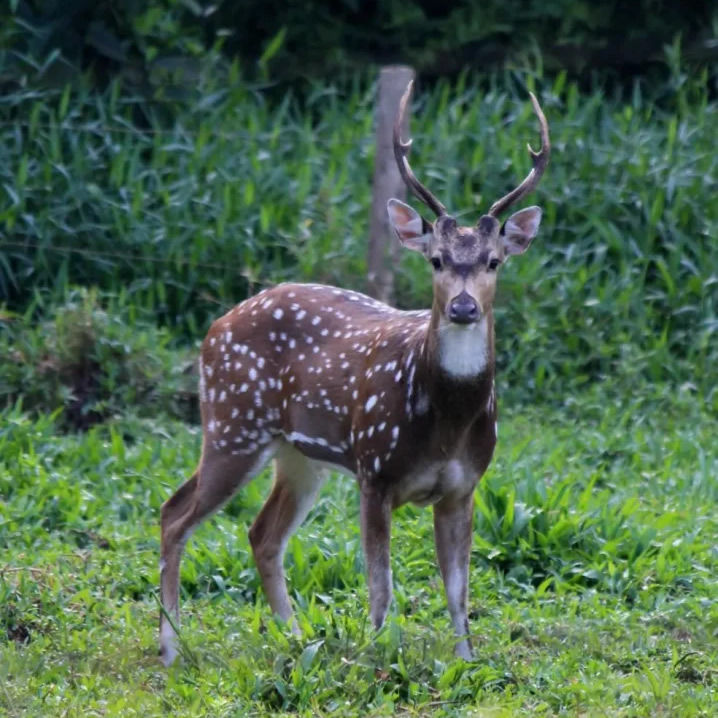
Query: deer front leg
x=375, y=517
x=453, y=520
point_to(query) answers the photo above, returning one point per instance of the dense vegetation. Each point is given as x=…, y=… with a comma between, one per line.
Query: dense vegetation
x=187, y=217
x=135, y=208
x=158, y=47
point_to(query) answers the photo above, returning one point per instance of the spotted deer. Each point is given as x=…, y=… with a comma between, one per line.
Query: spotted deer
x=318, y=377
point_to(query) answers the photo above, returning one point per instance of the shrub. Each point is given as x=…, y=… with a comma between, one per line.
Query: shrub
x=93, y=358
x=157, y=47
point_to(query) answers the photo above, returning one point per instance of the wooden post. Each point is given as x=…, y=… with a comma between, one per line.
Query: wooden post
x=383, y=243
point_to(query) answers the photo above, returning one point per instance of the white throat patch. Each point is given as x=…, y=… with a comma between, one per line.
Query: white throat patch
x=464, y=350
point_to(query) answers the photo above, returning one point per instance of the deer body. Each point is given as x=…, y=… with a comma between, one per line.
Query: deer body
x=351, y=382
x=316, y=376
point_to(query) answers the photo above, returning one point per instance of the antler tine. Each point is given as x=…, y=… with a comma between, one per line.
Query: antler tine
x=539, y=159
x=401, y=150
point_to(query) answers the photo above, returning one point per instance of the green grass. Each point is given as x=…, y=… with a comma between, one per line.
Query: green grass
x=593, y=588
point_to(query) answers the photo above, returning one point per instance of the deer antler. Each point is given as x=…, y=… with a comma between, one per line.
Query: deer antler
x=401, y=150
x=539, y=159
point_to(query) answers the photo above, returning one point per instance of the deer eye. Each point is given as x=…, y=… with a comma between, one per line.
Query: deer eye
x=494, y=264
x=436, y=263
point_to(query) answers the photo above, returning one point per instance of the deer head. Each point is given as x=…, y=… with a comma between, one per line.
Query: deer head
x=465, y=260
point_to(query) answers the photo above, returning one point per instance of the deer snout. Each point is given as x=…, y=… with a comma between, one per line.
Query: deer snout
x=463, y=309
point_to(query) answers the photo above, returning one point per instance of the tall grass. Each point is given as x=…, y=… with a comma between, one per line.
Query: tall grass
x=190, y=211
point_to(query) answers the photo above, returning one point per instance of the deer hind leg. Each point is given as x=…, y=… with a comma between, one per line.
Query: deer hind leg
x=218, y=477
x=296, y=484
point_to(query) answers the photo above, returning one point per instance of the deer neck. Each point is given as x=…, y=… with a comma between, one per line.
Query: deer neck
x=455, y=368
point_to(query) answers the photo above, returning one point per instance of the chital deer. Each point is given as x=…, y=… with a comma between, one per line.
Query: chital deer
x=319, y=377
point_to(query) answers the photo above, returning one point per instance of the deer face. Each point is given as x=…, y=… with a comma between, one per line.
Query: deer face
x=465, y=260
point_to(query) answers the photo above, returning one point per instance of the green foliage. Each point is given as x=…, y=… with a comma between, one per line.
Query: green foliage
x=93, y=362
x=443, y=39
x=592, y=581
x=155, y=46
x=235, y=193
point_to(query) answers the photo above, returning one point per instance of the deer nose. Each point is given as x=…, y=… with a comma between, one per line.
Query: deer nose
x=463, y=309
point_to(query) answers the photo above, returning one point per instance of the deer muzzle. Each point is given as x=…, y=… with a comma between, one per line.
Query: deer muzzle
x=463, y=309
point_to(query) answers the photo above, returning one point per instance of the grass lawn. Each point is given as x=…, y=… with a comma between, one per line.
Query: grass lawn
x=593, y=583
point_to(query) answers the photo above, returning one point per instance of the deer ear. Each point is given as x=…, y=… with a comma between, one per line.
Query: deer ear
x=519, y=229
x=413, y=230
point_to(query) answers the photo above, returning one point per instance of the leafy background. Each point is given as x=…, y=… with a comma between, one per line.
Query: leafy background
x=238, y=193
